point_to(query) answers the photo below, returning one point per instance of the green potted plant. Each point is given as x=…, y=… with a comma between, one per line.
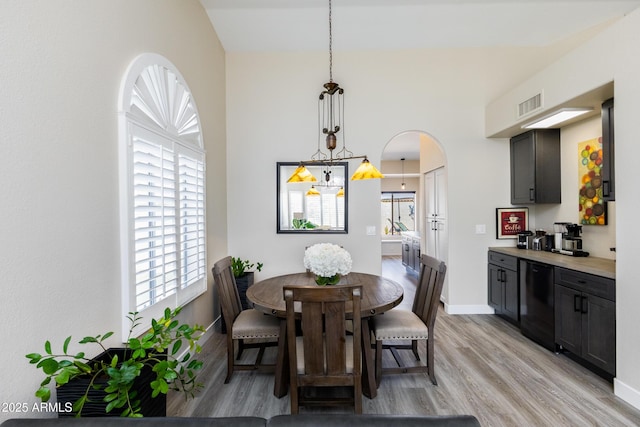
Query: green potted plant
x=241, y=267
x=124, y=381
x=244, y=278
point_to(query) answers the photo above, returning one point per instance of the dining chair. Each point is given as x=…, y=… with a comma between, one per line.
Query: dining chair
x=395, y=327
x=324, y=355
x=261, y=330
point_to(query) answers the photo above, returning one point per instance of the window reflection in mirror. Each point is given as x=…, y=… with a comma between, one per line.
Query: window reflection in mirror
x=398, y=212
x=313, y=207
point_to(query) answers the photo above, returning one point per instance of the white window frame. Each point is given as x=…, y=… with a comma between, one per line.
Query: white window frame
x=156, y=105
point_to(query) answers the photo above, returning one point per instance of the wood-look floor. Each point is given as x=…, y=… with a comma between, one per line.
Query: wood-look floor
x=484, y=367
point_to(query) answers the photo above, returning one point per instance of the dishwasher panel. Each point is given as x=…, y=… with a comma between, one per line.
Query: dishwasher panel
x=537, y=318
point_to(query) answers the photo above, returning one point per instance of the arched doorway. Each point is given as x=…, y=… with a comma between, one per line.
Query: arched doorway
x=420, y=179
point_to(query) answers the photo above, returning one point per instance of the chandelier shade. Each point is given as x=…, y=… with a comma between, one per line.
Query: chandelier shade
x=302, y=174
x=313, y=191
x=366, y=171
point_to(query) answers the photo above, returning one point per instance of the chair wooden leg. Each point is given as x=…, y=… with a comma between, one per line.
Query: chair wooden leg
x=230, y=361
x=430, y=361
x=414, y=348
x=293, y=392
x=357, y=397
x=240, y=349
x=378, y=362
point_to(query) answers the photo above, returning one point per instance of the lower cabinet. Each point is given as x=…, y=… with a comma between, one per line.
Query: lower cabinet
x=411, y=252
x=504, y=295
x=585, y=317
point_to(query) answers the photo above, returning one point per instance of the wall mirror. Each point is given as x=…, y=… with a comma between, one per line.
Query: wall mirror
x=313, y=207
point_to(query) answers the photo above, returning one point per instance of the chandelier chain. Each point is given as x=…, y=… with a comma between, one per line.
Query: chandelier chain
x=330, y=47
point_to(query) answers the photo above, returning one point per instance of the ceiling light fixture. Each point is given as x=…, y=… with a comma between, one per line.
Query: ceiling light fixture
x=330, y=123
x=403, y=186
x=557, y=117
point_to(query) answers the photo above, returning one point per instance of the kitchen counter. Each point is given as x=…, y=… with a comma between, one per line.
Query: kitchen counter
x=593, y=265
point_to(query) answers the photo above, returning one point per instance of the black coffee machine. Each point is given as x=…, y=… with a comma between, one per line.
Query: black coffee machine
x=571, y=241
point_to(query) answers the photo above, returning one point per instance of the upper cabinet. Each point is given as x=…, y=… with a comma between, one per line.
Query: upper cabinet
x=608, y=152
x=535, y=167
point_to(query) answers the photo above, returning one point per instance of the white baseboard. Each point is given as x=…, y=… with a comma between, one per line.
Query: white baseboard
x=468, y=309
x=626, y=393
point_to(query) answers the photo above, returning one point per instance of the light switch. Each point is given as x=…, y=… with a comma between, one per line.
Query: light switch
x=371, y=230
x=481, y=229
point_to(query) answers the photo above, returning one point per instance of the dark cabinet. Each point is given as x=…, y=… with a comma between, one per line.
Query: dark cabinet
x=503, y=286
x=535, y=167
x=411, y=252
x=406, y=251
x=608, y=152
x=585, y=317
x=416, y=254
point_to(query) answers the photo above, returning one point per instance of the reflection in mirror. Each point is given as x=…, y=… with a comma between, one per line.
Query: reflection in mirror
x=313, y=207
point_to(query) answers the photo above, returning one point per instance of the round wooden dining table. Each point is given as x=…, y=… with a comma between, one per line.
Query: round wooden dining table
x=379, y=294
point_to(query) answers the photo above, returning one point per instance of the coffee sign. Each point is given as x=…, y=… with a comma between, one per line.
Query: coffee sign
x=511, y=222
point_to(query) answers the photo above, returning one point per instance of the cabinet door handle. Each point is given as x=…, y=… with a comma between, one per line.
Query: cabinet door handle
x=576, y=304
x=503, y=276
x=584, y=304
x=531, y=194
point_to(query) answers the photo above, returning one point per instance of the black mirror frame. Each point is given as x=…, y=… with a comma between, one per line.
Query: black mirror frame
x=279, y=166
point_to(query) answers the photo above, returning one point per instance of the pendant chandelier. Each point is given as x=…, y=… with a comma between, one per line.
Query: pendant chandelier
x=402, y=163
x=330, y=123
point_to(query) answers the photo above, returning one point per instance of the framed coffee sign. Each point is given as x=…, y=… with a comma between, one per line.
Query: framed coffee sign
x=511, y=221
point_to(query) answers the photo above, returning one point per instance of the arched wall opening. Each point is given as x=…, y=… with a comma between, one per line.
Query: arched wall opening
x=414, y=162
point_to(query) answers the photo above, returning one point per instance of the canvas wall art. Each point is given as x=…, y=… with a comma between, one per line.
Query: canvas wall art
x=592, y=208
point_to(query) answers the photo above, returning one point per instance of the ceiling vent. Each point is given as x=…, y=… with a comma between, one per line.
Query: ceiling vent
x=530, y=105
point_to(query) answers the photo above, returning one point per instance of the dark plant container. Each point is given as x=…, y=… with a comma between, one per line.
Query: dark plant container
x=242, y=283
x=96, y=406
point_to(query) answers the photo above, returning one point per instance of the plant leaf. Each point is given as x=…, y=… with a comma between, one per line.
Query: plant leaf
x=105, y=336
x=47, y=347
x=49, y=366
x=176, y=347
x=66, y=344
x=34, y=357
x=43, y=393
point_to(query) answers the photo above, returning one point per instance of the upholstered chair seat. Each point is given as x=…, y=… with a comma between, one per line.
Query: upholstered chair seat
x=255, y=324
x=400, y=325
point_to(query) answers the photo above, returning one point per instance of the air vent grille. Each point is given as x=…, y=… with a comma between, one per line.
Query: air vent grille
x=530, y=105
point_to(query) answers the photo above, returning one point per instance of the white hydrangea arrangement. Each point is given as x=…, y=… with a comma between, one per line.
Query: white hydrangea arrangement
x=327, y=261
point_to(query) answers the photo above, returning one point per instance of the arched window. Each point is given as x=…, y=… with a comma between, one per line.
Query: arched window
x=162, y=172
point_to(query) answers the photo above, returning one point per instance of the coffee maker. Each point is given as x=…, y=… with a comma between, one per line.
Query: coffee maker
x=568, y=235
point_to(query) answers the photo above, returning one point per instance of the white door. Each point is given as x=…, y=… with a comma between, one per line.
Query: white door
x=436, y=235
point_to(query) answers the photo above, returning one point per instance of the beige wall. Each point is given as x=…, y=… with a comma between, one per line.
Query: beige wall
x=61, y=69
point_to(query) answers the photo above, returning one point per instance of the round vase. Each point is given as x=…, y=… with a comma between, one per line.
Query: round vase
x=324, y=280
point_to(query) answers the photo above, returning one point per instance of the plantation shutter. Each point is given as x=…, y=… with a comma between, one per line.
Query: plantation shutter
x=162, y=163
x=155, y=238
x=192, y=227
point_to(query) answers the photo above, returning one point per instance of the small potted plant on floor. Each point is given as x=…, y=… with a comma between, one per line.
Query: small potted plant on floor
x=132, y=381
